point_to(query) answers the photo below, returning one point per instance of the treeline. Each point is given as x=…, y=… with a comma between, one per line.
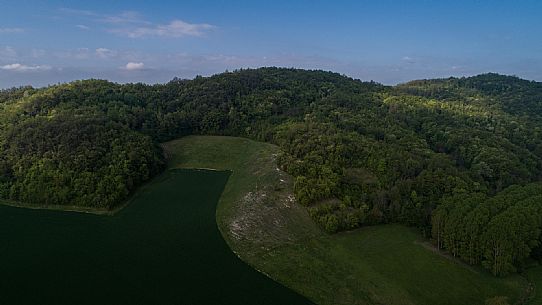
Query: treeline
x=509, y=93
x=498, y=232
x=74, y=160
x=16, y=93
x=360, y=152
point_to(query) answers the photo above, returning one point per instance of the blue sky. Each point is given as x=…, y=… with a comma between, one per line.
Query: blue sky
x=153, y=41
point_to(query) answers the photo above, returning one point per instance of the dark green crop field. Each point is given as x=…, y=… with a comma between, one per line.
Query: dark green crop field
x=164, y=248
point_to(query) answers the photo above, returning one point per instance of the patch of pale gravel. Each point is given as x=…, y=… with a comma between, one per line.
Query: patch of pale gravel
x=262, y=218
x=256, y=217
x=290, y=201
x=268, y=217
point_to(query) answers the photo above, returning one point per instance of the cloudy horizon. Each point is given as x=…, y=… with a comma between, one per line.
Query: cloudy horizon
x=136, y=42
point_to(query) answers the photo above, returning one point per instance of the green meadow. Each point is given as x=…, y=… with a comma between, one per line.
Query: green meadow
x=385, y=264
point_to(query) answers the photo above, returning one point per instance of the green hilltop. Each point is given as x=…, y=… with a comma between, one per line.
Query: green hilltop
x=427, y=154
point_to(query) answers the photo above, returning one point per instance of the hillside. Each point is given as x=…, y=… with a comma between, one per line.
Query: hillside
x=360, y=153
x=385, y=264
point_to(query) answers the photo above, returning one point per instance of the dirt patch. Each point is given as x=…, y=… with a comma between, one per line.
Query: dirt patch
x=267, y=216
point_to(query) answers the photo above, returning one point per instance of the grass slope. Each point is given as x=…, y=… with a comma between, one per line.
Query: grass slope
x=376, y=265
x=535, y=276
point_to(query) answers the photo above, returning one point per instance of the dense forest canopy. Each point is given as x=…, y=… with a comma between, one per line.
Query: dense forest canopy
x=460, y=158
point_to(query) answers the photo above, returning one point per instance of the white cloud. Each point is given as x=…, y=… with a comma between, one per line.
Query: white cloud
x=8, y=52
x=176, y=29
x=23, y=68
x=409, y=59
x=134, y=66
x=124, y=17
x=82, y=27
x=11, y=30
x=105, y=53
x=71, y=11
x=81, y=53
x=133, y=24
x=38, y=53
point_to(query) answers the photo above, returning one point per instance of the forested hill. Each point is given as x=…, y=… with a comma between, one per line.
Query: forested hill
x=508, y=93
x=361, y=153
